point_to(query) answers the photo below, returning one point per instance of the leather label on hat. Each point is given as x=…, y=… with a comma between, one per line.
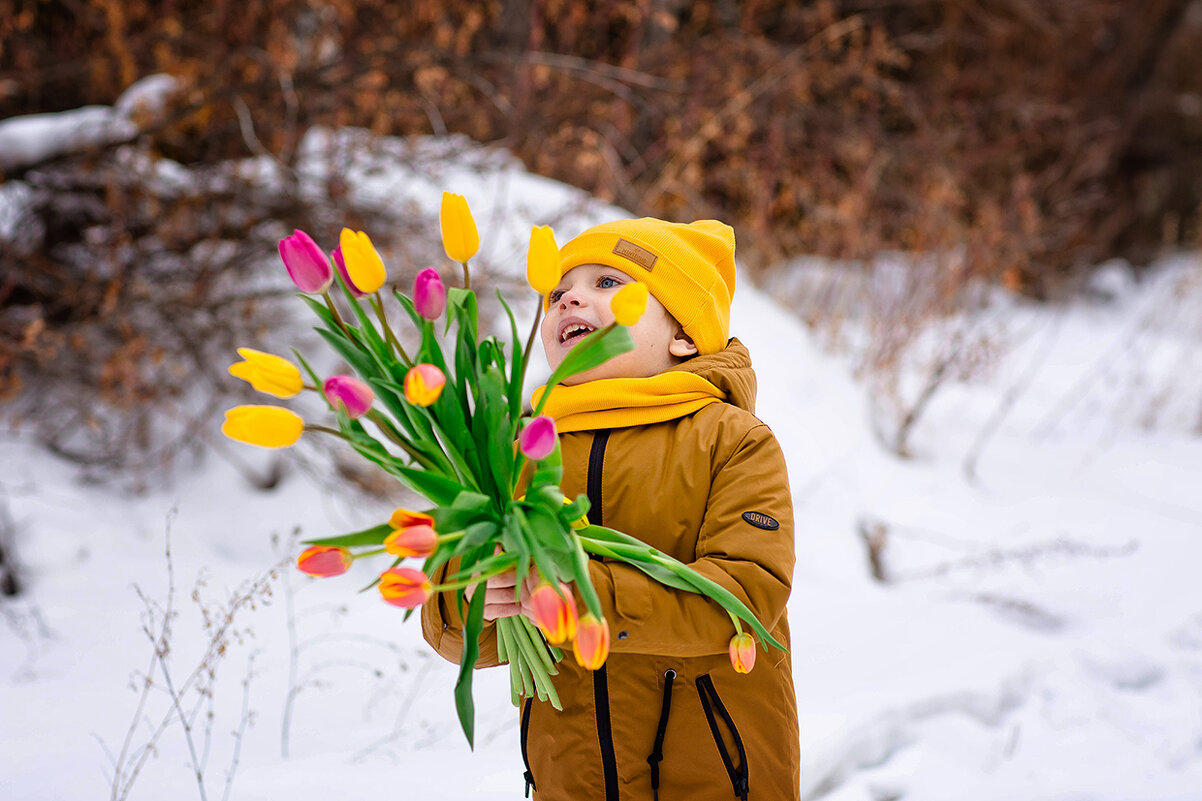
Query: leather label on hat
x=761, y=520
x=640, y=256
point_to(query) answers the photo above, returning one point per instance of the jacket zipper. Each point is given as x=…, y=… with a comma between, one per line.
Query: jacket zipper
x=528, y=776
x=711, y=703
x=605, y=737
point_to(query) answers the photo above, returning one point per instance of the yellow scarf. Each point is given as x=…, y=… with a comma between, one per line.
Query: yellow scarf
x=621, y=402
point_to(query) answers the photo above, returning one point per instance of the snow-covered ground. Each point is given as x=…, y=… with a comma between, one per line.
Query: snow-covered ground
x=1040, y=638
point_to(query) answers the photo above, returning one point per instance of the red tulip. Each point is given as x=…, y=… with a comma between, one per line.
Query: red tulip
x=307, y=264
x=404, y=586
x=538, y=438
x=429, y=295
x=742, y=652
x=553, y=613
x=591, y=645
x=324, y=560
x=419, y=541
x=350, y=393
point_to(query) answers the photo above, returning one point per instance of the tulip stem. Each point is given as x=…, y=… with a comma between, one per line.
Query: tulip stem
x=385, y=426
x=467, y=276
x=334, y=312
x=325, y=429
x=392, y=340
x=467, y=582
x=538, y=313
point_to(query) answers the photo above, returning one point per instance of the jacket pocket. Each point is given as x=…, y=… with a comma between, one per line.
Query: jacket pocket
x=717, y=717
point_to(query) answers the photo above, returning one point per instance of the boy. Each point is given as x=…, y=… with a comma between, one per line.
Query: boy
x=664, y=441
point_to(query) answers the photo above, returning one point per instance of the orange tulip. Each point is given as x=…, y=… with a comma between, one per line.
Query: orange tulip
x=324, y=560
x=403, y=518
x=742, y=652
x=404, y=586
x=423, y=384
x=554, y=614
x=419, y=541
x=591, y=645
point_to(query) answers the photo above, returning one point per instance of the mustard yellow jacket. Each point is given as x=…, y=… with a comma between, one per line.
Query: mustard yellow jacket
x=667, y=717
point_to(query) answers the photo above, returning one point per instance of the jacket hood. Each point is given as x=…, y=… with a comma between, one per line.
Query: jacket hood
x=729, y=370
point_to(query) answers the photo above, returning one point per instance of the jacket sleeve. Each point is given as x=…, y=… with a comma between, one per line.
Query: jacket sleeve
x=442, y=625
x=755, y=564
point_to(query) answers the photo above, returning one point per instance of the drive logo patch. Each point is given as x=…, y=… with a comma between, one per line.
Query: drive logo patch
x=761, y=520
x=639, y=255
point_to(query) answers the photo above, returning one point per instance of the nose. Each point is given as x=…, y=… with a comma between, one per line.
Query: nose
x=569, y=297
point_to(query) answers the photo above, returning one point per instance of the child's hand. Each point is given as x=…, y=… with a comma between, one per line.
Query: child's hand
x=499, y=596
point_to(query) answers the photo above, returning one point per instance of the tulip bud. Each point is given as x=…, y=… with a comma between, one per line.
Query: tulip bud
x=742, y=652
x=419, y=541
x=542, y=260
x=363, y=263
x=306, y=263
x=324, y=560
x=423, y=384
x=268, y=373
x=538, y=438
x=554, y=614
x=459, y=236
x=591, y=645
x=403, y=518
x=580, y=522
x=429, y=295
x=350, y=393
x=629, y=303
x=340, y=263
x=265, y=426
x=405, y=586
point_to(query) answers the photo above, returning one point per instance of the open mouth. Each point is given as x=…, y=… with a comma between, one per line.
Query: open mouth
x=572, y=331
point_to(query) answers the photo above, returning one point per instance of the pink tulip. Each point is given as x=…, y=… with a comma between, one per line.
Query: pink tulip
x=336, y=254
x=538, y=438
x=324, y=560
x=419, y=541
x=350, y=393
x=429, y=295
x=307, y=264
x=742, y=652
x=554, y=614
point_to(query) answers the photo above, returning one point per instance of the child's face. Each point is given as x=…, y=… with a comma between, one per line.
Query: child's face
x=579, y=303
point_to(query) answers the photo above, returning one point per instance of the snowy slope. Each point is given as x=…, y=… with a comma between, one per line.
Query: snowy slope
x=1042, y=637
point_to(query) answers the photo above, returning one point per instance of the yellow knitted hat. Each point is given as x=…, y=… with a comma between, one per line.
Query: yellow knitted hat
x=690, y=269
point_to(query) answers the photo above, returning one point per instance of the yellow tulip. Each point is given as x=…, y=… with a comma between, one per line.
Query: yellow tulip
x=629, y=303
x=542, y=260
x=265, y=426
x=268, y=373
x=459, y=236
x=363, y=262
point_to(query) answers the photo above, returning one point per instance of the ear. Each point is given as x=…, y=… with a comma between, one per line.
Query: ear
x=682, y=345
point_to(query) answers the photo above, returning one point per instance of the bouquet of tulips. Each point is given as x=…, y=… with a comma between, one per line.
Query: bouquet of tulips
x=447, y=422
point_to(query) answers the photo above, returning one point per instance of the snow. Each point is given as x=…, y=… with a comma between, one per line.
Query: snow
x=1040, y=637
x=34, y=138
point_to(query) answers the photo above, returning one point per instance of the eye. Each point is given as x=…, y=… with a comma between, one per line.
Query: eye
x=608, y=282
x=555, y=295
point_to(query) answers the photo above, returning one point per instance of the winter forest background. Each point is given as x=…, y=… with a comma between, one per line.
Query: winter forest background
x=970, y=282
